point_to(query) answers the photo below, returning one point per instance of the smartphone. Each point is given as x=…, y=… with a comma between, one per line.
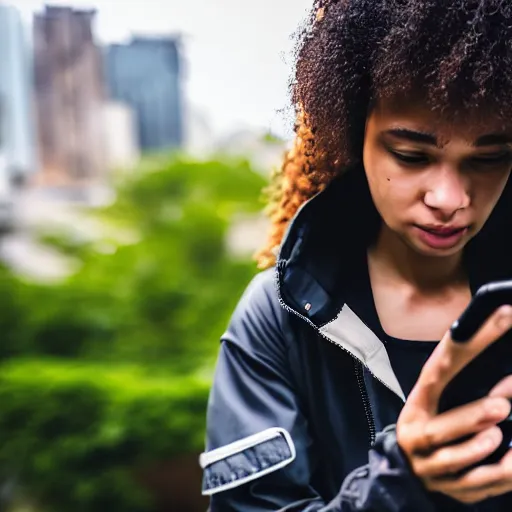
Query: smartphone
x=493, y=364
x=487, y=299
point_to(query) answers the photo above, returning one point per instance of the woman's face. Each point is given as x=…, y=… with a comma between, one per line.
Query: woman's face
x=435, y=183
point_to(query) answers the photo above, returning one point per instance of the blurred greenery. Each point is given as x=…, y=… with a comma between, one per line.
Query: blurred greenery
x=78, y=432
x=104, y=372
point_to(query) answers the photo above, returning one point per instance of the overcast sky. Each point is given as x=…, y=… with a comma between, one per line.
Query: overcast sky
x=237, y=51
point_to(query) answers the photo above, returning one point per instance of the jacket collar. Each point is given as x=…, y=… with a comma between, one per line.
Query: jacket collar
x=326, y=235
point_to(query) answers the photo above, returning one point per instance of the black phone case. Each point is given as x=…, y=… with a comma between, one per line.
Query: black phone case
x=486, y=300
x=483, y=373
x=476, y=380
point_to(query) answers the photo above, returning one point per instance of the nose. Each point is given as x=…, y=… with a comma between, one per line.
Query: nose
x=447, y=192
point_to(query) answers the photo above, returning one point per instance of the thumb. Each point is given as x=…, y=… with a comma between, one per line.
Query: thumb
x=449, y=358
x=503, y=388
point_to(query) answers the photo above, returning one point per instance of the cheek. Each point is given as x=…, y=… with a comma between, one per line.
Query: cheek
x=391, y=188
x=489, y=190
x=502, y=184
x=389, y=195
x=379, y=173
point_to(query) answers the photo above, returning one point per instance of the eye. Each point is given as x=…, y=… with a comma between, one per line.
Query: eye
x=494, y=159
x=410, y=158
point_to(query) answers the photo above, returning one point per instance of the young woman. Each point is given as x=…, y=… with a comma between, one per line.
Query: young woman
x=393, y=207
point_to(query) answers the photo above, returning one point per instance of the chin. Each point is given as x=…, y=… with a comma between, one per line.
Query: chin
x=440, y=253
x=422, y=249
x=433, y=252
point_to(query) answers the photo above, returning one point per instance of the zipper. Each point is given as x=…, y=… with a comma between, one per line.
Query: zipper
x=309, y=322
x=358, y=367
x=358, y=364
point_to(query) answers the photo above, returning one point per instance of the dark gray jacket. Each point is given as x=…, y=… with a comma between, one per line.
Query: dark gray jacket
x=304, y=400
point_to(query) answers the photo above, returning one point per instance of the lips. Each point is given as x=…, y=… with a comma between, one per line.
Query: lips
x=441, y=237
x=443, y=231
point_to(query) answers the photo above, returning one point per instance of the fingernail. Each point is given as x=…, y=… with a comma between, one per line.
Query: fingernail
x=499, y=407
x=509, y=415
x=505, y=320
x=490, y=441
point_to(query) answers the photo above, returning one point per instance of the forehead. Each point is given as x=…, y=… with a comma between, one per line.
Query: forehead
x=415, y=114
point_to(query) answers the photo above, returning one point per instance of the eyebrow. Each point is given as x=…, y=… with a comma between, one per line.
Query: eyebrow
x=413, y=136
x=491, y=139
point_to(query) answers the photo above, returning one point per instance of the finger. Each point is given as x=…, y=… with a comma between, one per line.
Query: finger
x=479, y=493
x=476, y=480
x=503, y=388
x=481, y=482
x=452, y=459
x=449, y=358
x=462, y=421
x=473, y=497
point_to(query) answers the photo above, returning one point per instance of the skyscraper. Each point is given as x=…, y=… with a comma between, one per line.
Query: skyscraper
x=17, y=122
x=145, y=74
x=69, y=96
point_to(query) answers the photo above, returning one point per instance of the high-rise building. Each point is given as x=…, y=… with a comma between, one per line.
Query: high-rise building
x=145, y=74
x=122, y=148
x=17, y=120
x=69, y=96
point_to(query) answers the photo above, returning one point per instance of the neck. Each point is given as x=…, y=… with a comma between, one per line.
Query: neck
x=400, y=261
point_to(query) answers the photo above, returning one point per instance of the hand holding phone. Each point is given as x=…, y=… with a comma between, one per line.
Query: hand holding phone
x=476, y=380
x=487, y=299
x=449, y=424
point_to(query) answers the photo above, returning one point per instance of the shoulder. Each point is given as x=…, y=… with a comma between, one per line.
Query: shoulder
x=259, y=322
x=261, y=293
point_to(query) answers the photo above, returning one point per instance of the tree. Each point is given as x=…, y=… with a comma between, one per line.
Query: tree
x=124, y=339
x=163, y=286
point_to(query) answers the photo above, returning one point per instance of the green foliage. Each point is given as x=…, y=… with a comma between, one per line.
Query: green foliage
x=152, y=293
x=15, y=305
x=271, y=138
x=79, y=433
x=159, y=285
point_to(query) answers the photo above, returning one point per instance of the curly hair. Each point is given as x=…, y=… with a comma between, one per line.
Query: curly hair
x=350, y=53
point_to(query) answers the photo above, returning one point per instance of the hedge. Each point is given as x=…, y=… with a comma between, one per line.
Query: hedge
x=75, y=434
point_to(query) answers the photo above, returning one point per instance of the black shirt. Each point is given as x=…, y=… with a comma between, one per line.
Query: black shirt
x=407, y=357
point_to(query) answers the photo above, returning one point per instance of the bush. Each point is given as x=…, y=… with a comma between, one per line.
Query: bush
x=78, y=433
x=14, y=310
x=164, y=288
x=151, y=296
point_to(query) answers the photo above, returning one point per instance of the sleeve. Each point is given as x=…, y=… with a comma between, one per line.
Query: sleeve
x=259, y=454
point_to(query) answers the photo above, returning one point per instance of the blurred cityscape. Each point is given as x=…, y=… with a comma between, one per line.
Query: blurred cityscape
x=127, y=229
x=72, y=112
